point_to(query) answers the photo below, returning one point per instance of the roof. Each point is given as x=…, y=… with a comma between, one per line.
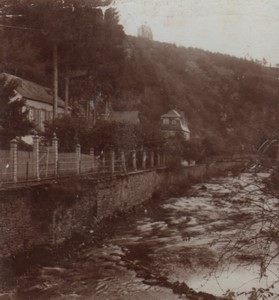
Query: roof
x=33, y=91
x=171, y=114
x=175, y=114
x=184, y=126
x=131, y=117
x=184, y=123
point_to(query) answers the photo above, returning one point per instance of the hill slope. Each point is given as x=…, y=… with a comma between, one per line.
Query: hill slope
x=232, y=102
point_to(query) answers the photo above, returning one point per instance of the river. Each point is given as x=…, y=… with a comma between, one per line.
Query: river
x=147, y=253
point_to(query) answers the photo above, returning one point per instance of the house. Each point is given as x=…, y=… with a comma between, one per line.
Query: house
x=38, y=100
x=174, y=122
x=128, y=117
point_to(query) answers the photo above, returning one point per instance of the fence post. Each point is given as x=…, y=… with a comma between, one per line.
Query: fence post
x=78, y=158
x=164, y=160
x=152, y=160
x=54, y=143
x=112, y=161
x=158, y=159
x=103, y=163
x=92, y=154
x=36, y=156
x=123, y=162
x=143, y=159
x=134, y=158
x=14, y=161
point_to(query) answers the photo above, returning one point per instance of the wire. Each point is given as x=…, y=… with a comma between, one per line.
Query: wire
x=18, y=27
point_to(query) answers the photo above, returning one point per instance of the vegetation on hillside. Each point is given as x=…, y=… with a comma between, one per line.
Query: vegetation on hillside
x=79, y=34
x=103, y=136
x=230, y=103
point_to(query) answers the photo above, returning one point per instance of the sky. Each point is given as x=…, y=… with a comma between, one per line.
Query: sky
x=243, y=28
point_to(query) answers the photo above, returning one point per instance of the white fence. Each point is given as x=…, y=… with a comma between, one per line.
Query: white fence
x=46, y=163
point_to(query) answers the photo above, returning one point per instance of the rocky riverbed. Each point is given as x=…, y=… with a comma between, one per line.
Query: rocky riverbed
x=192, y=247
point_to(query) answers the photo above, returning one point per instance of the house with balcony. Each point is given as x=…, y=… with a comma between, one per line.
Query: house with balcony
x=38, y=100
x=174, y=122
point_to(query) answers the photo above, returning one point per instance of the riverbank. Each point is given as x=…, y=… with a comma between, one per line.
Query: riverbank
x=95, y=232
x=55, y=212
x=29, y=264
x=168, y=249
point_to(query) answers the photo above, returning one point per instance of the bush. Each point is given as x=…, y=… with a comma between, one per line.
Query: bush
x=69, y=131
x=14, y=120
x=103, y=136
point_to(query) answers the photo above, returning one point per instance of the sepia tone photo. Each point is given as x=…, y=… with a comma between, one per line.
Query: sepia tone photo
x=139, y=149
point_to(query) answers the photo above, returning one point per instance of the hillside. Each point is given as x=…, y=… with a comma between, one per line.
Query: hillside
x=229, y=101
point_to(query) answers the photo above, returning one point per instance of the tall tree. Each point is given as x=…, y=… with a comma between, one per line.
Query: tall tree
x=73, y=34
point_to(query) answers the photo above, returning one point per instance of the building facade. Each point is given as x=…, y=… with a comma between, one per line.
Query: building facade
x=174, y=122
x=38, y=100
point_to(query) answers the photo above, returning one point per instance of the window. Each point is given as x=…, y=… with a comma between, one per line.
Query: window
x=36, y=116
x=31, y=114
x=43, y=114
x=49, y=115
x=175, y=121
x=166, y=121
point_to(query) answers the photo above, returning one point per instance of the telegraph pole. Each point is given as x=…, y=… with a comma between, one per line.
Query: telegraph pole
x=55, y=65
x=55, y=80
x=67, y=81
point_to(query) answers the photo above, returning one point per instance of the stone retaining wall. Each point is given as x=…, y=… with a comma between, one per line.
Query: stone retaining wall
x=51, y=213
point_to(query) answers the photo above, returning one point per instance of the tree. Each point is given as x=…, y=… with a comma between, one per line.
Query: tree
x=69, y=131
x=14, y=120
x=111, y=135
x=194, y=150
x=253, y=240
x=72, y=34
x=103, y=136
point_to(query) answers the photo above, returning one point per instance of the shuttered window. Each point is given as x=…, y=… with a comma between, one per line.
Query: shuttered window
x=49, y=115
x=37, y=116
x=31, y=113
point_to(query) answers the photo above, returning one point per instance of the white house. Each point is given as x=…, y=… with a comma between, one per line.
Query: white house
x=38, y=100
x=174, y=122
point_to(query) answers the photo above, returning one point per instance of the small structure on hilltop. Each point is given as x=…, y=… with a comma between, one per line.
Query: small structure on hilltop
x=145, y=32
x=174, y=122
x=128, y=117
x=38, y=100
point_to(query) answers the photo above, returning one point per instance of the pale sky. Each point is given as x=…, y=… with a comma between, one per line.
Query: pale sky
x=237, y=27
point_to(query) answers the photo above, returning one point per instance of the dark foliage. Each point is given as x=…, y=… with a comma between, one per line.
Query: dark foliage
x=87, y=41
x=14, y=120
x=69, y=131
x=230, y=103
x=103, y=136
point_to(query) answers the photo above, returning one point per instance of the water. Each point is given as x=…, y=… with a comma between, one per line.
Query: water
x=176, y=240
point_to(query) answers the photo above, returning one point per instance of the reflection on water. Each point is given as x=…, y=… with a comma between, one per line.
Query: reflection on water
x=174, y=241
x=237, y=278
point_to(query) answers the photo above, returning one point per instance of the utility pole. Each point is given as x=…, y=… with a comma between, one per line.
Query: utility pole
x=67, y=80
x=55, y=67
x=55, y=81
